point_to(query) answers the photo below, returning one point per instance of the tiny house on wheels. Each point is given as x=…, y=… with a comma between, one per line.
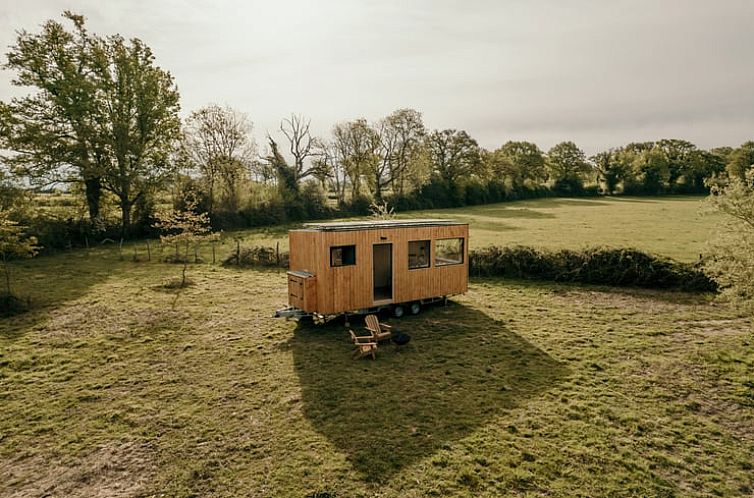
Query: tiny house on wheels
x=366, y=266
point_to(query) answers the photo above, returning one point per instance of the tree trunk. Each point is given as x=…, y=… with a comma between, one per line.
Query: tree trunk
x=125, y=213
x=93, y=188
x=7, y=274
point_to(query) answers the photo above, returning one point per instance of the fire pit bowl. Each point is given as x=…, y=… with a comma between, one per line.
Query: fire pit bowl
x=401, y=338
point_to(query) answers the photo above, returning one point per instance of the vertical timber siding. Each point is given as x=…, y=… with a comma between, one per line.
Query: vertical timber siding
x=348, y=288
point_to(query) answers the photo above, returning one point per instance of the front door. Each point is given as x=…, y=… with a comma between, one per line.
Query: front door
x=382, y=263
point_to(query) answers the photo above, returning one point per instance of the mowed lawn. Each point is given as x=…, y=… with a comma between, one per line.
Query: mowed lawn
x=674, y=226
x=116, y=386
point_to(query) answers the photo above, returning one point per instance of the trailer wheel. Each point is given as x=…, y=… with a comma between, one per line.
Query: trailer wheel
x=416, y=307
x=398, y=311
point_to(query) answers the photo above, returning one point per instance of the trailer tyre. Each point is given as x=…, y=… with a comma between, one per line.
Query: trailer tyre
x=416, y=308
x=398, y=311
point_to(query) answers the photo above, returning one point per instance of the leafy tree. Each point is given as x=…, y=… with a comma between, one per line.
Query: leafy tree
x=139, y=120
x=453, y=155
x=702, y=166
x=104, y=114
x=14, y=243
x=401, y=146
x=741, y=160
x=356, y=146
x=567, y=164
x=610, y=169
x=680, y=157
x=730, y=261
x=521, y=161
x=217, y=143
x=55, y=134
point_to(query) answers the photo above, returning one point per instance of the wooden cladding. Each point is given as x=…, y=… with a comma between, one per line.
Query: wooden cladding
x=346, y=288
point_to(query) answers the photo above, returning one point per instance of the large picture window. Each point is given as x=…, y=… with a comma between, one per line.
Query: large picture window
x=418, y=254
x=342, y=255
x=448, y=252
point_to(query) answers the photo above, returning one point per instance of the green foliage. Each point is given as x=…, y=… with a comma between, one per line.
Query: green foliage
x=519, y=161
x=567, y=165
x=216, y=144
x=255, y=256
x=730, y=260
x=104, y=115
x=600, y=265
x=741, y=160
x=453, y=155
x=15, y=243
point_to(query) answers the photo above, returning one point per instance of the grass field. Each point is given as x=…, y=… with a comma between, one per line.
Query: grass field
x=673, y=226
x=115, y=386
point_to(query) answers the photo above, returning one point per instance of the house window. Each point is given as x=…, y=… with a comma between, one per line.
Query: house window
x=418, y=254
x=342, y=255
x=448, y=252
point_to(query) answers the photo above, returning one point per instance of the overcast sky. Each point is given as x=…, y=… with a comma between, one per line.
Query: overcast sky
x=600, y=73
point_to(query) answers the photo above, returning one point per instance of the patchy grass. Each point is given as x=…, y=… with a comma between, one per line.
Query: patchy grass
x=113, y=387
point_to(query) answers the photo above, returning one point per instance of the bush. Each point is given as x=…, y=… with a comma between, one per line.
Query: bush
x=600, y=265
x=257, y=256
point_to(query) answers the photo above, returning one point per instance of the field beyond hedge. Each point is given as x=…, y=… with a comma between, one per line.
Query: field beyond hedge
x=117, y=386
x=673, y=226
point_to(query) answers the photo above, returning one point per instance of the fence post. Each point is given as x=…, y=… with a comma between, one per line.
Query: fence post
x=149, y=252
x=136, y=255
x=238, y=252
x=213, y=251
x=277, y=254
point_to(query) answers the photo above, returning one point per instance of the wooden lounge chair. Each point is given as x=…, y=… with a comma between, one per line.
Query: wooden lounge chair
x=379, y=331
x=364, y=346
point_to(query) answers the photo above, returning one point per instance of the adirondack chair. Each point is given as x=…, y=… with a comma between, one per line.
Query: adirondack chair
x=364, y=346
x=379, y=331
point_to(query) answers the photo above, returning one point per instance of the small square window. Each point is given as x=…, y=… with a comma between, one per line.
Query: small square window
x=342, y=255
x=448, y=252
x=418, y=254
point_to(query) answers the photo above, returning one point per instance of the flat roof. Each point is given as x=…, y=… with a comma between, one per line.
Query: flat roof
x=341, y=226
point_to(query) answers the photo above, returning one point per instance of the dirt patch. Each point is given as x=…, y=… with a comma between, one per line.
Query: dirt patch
x=114, y=470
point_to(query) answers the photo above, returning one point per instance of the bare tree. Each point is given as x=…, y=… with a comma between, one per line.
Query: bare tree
x=301, y=144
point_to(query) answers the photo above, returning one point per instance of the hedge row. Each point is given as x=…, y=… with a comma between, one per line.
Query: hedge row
x=598, y=265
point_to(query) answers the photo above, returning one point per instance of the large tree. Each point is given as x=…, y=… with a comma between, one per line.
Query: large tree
x=140, y=120
x=521, y=161
x=610, y=169
x=567, y=165
x=217, y=143
x=453, y=154
x=356, y=147
x=104, y=114
x=54, y=134
x=740, y=160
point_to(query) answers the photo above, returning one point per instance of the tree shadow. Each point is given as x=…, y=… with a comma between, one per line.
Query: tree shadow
x=460, y=369
x=49, y=281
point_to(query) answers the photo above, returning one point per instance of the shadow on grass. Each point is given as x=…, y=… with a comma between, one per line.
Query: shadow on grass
x=460, y=369
x=49, y=281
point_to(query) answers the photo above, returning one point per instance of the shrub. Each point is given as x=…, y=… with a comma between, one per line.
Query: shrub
x=257, y=256
x=600, y=265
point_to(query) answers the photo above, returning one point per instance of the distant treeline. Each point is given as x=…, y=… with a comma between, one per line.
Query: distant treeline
x=103, y=119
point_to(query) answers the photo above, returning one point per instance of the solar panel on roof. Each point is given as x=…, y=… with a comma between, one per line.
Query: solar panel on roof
x=379, y=224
